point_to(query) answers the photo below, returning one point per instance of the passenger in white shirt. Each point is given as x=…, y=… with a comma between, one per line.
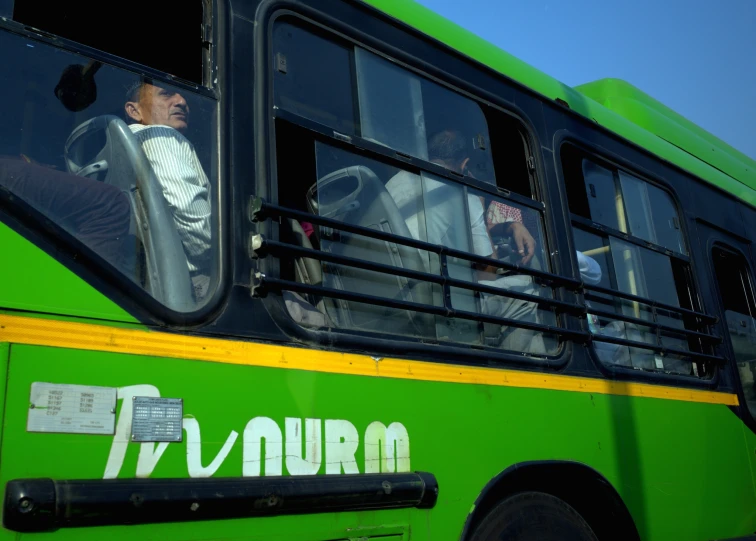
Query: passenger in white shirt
x=444, y=224
x=160, y=116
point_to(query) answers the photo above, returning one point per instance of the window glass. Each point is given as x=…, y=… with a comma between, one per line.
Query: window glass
x=135, y=187
x=604, y=198
x=351, y=189
x=422, y=206
x=6, y=8
x=417, y=117
x=645, y=273
x=391, y=105
x=312, y=77
x=512, y=228
x=651, y=214
x=736, y=289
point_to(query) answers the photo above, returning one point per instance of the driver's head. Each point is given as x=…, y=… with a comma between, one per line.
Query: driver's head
x=449, y=148
x=150, y=104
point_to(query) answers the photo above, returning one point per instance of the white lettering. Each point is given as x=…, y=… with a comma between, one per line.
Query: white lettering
x=297, y=461
x=194, y=450
x=258, y=429
x=341, y=443
x=148, y=454
x=386, y=449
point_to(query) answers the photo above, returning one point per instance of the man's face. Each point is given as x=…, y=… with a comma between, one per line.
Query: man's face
x=158, y=105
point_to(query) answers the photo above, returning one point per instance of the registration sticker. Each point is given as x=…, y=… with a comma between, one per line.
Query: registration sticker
x=71, y=409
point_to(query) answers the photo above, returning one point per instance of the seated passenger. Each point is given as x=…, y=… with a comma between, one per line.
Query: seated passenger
x=97, y=214
x=449, y=149
x=159, y=118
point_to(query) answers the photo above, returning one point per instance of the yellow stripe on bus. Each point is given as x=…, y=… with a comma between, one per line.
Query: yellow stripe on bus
x=66, y=334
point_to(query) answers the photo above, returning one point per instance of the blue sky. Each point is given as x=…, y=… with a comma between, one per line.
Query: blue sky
x=698, y=57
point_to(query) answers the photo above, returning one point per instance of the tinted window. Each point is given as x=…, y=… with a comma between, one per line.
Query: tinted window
x=408, y=113
x=325, y=175
x=140, y=197
x=313, y=77
x=736, y=289
x=651, y=214
x=628, y=205
x=604, y=199
x=422, y=206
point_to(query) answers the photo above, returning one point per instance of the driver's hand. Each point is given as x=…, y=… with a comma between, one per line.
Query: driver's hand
x=524, y=241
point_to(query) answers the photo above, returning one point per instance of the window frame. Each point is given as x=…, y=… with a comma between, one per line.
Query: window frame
x=268, y=189
x=723, y=245
x=606, y=158
x=85, y=262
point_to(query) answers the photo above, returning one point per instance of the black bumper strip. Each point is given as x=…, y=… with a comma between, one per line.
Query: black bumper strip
x=37, y=505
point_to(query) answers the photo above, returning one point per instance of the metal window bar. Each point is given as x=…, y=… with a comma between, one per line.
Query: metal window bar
x=278, y=249
x=705, y=319
x=265, y=283
x=260, y=210
x=654, y=325
x=692, y=355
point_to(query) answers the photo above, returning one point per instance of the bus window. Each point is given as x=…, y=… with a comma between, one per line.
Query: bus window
x=6, y=8
x=651, y=214
x=313, y=77
x=642, y=255
x=736, y=290
x=158, y=35
x=122, y=164
x=404, y=111
x=356, y=92
x=322, y=173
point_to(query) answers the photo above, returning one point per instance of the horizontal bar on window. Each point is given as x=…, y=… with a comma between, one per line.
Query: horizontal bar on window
x=260, y=209
x=584, y=223
x=264, y=282
x=652, y=325
x=659, y=349
x=385, y=153
x=705, y=318
x=280, y=248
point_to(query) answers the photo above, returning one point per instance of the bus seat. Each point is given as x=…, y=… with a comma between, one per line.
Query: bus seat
x=307, y=310
x=355, y=195
x=104, y=148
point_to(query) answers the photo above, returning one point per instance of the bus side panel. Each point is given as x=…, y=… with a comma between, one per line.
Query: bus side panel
x=463, y=434
x=42, y=284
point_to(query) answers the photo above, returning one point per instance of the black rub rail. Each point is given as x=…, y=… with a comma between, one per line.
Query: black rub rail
x=40, y=505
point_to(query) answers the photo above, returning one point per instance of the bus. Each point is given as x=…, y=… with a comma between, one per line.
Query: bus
x=341, y=270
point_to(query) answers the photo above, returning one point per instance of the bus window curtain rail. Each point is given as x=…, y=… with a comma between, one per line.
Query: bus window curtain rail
x=45, y=505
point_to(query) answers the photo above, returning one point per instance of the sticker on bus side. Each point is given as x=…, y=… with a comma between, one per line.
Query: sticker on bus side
x=71, y=409
x=332, y=445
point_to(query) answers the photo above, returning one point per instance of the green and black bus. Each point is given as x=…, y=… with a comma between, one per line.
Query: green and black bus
x=341, y=270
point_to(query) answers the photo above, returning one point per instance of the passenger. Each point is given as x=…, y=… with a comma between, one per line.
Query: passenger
x=97, y=214
x=159, y=117
x=448, y=148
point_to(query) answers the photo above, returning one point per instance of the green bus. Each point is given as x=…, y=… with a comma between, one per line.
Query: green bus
x=340, y=270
